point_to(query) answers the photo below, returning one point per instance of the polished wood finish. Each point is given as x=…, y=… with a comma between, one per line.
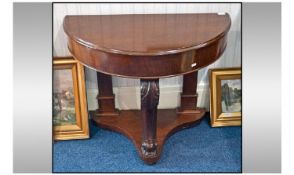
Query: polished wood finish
x=129, y=124
x=189, y=94
x=149, y=47
x=149, y=103
x=105, y=97
x=161, y=45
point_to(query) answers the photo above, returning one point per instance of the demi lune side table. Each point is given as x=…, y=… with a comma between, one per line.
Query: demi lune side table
x=148, y=47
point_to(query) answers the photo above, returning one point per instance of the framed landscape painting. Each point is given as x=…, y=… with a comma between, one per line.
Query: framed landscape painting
x=225, y=97
x=70, y=115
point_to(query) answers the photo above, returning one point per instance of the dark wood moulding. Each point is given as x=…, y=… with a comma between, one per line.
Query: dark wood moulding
x=148, y=47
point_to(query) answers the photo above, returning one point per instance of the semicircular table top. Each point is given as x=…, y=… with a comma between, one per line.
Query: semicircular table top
x=148, y=47
x=162, y=45
x=146, y=34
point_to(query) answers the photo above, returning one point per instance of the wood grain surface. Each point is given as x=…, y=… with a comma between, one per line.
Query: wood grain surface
x=147, y=46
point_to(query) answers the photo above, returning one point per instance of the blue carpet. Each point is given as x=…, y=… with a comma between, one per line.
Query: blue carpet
x=198, y=149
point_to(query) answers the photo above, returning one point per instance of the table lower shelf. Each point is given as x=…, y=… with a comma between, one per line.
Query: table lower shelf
x=169, y=121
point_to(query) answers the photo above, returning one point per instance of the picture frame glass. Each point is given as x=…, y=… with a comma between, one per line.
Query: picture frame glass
x=231, y=96
x=64, y=112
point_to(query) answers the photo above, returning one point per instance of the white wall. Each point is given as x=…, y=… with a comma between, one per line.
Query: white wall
x=127, y=90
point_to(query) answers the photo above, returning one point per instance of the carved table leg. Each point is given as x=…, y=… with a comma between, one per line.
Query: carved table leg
x=189, y=94
x=149, y=103
x=149, y=127
x=105, y=97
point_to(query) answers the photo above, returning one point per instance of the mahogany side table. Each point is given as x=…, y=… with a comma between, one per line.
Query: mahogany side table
x=148, y=47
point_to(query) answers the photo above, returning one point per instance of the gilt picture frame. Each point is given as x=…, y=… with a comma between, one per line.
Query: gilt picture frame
x=70, y=114
x=225, y=97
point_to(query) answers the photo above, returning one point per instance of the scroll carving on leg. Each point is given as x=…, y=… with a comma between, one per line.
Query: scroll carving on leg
x=149, y=103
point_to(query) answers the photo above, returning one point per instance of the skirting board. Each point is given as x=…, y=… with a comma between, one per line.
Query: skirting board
x=129, y=97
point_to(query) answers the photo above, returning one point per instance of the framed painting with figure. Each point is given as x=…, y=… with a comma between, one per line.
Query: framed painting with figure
x=70, y=115
x=225, y=97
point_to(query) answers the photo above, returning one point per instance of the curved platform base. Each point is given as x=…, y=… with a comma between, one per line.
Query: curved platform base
x=169, y=121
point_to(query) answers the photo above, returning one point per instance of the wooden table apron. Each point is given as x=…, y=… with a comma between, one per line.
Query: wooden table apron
x=148, y=47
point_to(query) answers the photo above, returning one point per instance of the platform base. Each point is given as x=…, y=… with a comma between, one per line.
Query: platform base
x=169, y=121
